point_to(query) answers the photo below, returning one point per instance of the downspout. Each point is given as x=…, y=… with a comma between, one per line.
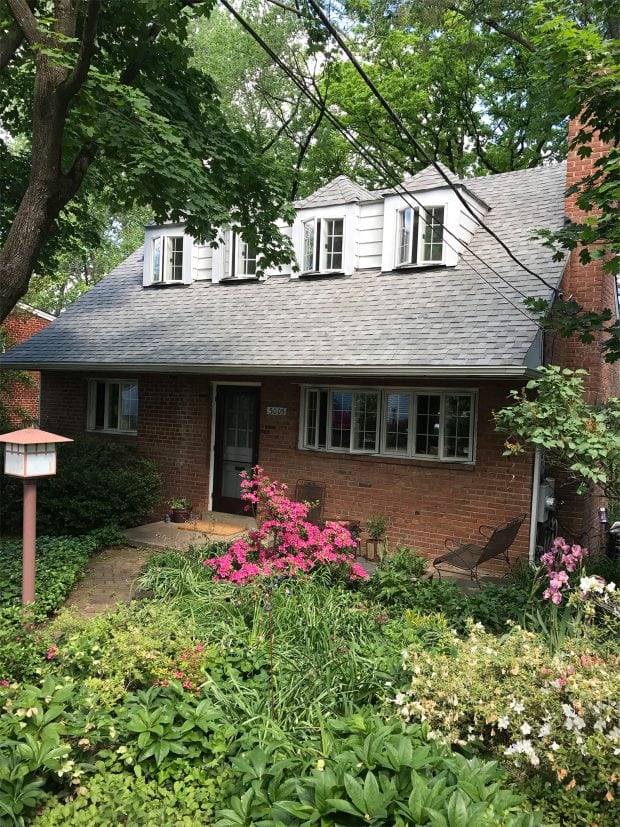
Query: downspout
x=534, y=513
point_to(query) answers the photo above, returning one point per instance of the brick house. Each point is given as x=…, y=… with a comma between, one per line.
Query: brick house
x=20, y=325
x=373, y=368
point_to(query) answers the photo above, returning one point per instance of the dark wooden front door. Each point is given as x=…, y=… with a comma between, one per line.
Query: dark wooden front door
x=236, y=443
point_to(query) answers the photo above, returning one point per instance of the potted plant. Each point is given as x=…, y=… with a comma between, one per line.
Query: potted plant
x=180, y=509
x=376, y=544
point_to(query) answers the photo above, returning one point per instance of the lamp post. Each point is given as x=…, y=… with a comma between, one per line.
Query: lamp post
x=28, y=455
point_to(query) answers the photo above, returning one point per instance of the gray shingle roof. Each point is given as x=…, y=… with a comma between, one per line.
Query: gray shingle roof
x=398, y=321
x=342, y=190
x=429, y=178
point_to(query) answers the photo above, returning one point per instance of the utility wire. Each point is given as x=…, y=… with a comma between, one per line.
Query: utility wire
x=340, y=39
x=375, y=163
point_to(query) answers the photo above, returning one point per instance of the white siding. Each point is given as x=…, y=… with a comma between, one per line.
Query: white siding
x=370, y=236
x=202, y=262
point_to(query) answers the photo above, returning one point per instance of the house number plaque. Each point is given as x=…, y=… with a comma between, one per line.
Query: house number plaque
x=273, y=410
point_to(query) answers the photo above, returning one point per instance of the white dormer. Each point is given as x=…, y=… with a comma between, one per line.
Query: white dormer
x=168, y=252
x=326, y=228
x=234, y=257
x=430, y=226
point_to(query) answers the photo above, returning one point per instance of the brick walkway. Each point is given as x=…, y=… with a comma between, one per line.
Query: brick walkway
x=109, y=579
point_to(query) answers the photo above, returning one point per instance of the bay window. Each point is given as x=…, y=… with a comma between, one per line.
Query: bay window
x=113, y=406
x=435, y=424
x=323, y=245
x=419, y=236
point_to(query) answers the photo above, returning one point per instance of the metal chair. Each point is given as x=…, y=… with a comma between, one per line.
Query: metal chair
x=468, y=556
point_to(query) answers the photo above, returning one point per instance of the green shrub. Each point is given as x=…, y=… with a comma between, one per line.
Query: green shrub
x=553, y=721
x=111, y=798
x=98, y=483
x=43, y=748
x=395, y=578
x=60, y=562
x=130, y=648
x=22, y=652
x=369, y=772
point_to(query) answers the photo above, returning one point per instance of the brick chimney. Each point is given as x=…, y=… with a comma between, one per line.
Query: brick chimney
x=586, y=284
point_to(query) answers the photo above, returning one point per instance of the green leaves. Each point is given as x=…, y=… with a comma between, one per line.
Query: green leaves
x=580, y=437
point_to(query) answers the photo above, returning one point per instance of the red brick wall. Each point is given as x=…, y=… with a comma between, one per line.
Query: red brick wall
x=425, y=502
x=19, y=326
x=594, y=290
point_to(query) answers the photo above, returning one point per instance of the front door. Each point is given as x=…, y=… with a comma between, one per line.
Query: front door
x=236, y=443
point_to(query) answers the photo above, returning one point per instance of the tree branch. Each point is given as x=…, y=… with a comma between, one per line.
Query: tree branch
x=26, y=21
x=287, y=8
x=495, y=25
x=88, y=47
x=72, y=180
x=10, y=44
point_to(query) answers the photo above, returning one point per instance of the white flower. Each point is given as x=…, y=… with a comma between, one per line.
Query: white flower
x=591, y=584
x=554, y=746
x=517, y=706
x=611, y=587
x=503, y=723
x=544, y=731
x=526, y=728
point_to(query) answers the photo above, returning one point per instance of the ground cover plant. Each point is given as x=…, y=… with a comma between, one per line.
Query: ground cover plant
x=60, y=562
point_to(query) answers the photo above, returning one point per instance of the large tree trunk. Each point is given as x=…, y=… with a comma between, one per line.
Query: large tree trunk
x=49, y=188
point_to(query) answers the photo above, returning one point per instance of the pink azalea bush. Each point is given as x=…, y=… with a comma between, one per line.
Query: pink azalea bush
x=558, y=564
x=285, y=544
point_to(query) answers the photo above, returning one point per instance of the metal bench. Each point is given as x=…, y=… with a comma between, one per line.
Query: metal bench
x=468, y=556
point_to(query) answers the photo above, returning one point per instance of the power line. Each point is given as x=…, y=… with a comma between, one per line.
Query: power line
x=339, y=38
x=377, y=164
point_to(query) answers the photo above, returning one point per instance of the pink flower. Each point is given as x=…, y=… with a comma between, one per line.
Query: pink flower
x=4, y=683
x=52, y=652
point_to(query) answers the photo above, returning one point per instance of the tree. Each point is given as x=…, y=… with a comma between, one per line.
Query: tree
x=104, y=95
x=579, y=438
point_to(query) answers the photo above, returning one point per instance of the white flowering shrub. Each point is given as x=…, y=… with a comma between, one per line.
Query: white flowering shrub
x=553, y=721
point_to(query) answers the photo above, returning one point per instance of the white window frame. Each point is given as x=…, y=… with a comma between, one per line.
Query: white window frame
x=161, y=274
x=237, y=254
x=417, y=240
x=383, y=393
x=91, y=405
x=319, y=249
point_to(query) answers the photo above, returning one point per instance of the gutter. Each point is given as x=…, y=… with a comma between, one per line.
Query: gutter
x=482, y=371
x=538, y=455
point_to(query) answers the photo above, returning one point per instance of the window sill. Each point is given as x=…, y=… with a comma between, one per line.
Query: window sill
x=159, y=285
x=322, y=274
x=110, y=432
x=407, y=268
x=238, y=279
x=449, y=464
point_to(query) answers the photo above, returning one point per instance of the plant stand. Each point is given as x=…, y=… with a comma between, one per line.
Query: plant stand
x=376, y=549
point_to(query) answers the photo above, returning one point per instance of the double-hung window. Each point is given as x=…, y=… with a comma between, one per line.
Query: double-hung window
x=167, y=258
x=113, y=406
x=419, y=236
x=404, y=423
x=243, y=257
x=323, y=245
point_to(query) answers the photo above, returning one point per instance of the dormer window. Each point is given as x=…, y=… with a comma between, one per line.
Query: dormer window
x=243, y=257
x=323, y=245
x=167, y=258
x=419, y=236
